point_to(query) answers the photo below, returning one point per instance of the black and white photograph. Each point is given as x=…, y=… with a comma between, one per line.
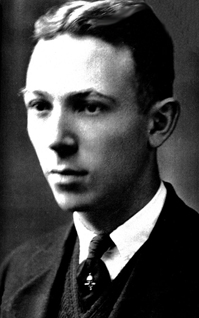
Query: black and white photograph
x=99, y=159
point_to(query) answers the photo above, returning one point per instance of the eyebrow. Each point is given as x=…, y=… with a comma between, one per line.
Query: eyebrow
x=72, y=95
x=24, y=91
x=89, y=93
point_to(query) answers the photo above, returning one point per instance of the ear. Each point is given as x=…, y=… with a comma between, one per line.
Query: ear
x=163, y=117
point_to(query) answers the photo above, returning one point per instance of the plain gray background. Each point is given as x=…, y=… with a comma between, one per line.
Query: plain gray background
x=27, y=205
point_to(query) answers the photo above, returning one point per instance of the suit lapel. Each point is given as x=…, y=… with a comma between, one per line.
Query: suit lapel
x=32, y=299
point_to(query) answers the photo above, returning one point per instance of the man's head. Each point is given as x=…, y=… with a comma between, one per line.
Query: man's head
x=94, y=137
x=121, y=23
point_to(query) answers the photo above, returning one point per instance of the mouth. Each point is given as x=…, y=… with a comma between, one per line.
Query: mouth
x=68, y=172
x=67, y=176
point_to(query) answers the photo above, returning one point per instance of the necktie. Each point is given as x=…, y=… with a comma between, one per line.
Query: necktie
x=92, y=275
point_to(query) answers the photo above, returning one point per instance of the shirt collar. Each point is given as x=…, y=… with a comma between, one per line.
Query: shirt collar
x=132, y=234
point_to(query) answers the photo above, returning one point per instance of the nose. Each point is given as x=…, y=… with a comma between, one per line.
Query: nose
x=65, y=148
x=65, y=140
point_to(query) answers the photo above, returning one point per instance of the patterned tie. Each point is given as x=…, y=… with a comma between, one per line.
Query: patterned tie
x=92, y=274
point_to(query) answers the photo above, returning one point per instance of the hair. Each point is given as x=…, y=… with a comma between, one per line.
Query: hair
x=120, y=23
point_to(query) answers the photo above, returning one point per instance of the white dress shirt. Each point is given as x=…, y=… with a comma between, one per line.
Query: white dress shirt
x=128, y=237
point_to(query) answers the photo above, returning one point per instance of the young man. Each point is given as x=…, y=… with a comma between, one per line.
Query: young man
x=99, y=102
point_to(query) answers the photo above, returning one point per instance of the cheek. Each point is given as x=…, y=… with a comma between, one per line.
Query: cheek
x=34, y=135
x=116, y=144
x=39, y=144
x=40, y=132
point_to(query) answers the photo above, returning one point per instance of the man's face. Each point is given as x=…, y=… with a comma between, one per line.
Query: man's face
x=84, y=123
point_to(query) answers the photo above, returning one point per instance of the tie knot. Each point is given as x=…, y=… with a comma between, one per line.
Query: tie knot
x=99, y=245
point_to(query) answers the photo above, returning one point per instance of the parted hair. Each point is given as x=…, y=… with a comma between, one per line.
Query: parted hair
x=120, y=23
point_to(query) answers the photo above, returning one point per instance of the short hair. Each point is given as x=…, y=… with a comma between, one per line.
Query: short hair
x=121, y=23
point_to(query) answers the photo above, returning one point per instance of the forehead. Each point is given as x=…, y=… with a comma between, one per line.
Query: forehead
x=77, y=62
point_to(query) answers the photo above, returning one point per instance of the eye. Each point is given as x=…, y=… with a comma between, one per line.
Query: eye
x=39, y=105
x=90, y=108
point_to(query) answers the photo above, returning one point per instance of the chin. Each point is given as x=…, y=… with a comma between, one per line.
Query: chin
x=77, y=200
x=73, y=202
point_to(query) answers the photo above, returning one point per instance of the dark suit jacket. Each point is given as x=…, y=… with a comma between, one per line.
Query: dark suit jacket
x=163, y=283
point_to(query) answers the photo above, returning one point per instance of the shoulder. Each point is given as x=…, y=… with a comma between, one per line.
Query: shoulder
x=31, y=259
x=176, y=233
x=180, y=212
x=178, y=226
x=45, y=243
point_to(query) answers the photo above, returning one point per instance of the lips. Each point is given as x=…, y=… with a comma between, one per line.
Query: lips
x=67, y=176
x=69, y=172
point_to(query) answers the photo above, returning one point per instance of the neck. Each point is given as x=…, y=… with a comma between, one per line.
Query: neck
x=105, y=219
